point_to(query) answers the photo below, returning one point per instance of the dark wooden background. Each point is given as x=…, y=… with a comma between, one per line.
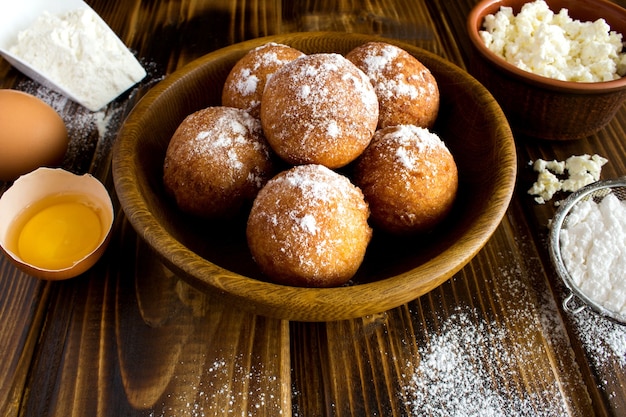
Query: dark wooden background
x=130, y=339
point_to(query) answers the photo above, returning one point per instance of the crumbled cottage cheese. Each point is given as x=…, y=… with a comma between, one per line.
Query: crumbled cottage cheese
x=555, y=45
x=593, y=248
x=582, y=170
x=78, y=52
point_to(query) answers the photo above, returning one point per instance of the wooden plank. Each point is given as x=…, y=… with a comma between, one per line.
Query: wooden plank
x=489, y=342
x=132, y=339
x=129, y=338
x=23, y=302
x=599, y=345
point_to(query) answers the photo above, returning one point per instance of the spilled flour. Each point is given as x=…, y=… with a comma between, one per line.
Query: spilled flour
x=221, y=387
x=91, y=134
x=604, y=341
x=469, y=366
x=456, y=378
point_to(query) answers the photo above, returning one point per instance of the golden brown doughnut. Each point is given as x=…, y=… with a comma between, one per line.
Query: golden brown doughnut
x=406, y=90
x=216, y=161
x=308, y=227
x=319, y=109
x=246, y=81
x=408, y=177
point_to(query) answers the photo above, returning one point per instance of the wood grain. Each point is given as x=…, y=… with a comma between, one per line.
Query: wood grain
x=129, y=338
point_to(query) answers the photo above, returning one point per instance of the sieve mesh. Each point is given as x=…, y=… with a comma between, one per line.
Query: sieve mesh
x=596, y=192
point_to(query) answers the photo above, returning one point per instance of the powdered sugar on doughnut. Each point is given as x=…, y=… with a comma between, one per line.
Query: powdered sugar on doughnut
x=309, y=223
x=411, y=143
x=216, y=160
x=224, y=137
x=413, y=84
x=319, y=109
x=314, y=91
x=406, y=89
x=245, y=83
x=265, y=56
x=319, y=185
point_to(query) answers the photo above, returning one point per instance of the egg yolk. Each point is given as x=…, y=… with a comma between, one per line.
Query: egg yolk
x=59, y=235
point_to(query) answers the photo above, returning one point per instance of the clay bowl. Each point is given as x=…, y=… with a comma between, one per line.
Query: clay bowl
x=542, y=107
x=214, y=255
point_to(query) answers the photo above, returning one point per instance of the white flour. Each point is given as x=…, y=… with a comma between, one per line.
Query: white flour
x=467, y=365
x=79, y=53
x=593, y=247
x=466, y=369
x=91, y=134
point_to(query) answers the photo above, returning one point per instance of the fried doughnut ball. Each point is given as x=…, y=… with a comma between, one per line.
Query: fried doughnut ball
x=246, y=81
x=319, y=109
x=406, y=90
x=308, y=227
x=408, y=177
x=216, y=161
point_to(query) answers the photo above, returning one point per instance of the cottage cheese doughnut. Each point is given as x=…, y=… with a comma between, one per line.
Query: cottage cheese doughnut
x=319, y=109
x=216, y=161
x=406, y=89
x=308, y=227
x=408, y=177
x=245, y=83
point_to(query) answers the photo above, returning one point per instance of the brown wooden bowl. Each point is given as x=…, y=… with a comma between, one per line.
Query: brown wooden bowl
x=214, y=255
x=539, y=106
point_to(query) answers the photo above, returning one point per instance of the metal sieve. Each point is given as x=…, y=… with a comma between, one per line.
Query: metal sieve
x=596, y=192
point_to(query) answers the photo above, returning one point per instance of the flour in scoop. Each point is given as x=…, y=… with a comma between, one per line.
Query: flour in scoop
x=78, y=52
x=593, y=247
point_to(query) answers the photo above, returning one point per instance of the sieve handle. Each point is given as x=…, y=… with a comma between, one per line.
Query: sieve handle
x=572, y=309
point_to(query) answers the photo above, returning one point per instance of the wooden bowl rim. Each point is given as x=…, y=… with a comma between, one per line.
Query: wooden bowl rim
x=327, y=304
x=485, y=7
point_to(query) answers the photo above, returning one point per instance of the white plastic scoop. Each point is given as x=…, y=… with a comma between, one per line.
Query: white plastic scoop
x=114, y=73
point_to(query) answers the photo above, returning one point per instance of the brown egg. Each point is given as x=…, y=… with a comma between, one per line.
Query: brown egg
x=32, y=134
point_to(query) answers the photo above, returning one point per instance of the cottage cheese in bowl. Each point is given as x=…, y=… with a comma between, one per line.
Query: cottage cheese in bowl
x=554, y=45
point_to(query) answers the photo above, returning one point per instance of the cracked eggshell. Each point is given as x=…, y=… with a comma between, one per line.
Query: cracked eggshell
x=47, y=182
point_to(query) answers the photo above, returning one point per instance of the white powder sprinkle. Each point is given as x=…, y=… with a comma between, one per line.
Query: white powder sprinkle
x=376, y=63
x=221, y=387
x=604, y=341
x=405, y=159
x=456, y=375
x=247, y=83
x=467, y=362
x=333, y=130
x=593, y=247
x=309, y=224
x=411, y=143
x=390, y=81
x=78, y=52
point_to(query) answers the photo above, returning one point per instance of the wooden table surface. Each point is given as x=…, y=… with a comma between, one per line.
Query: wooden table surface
x=129, y=339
